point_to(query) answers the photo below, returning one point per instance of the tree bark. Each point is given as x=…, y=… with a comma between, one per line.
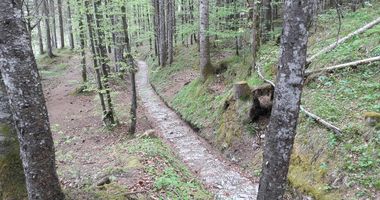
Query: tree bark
x=132, y=70
x=162, y=33
x=23, y=85
x=39, y=31
x=12, y=179
x=54, y=30
x=109, y=117
x=204, y=43
x=170, y=24
x=71, y=35
x=60, y=18
x=82, y=39
x=287, y=98
x=47, y=28
x=91, y=34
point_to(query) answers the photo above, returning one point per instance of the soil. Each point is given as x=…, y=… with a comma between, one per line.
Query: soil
x=81, y=141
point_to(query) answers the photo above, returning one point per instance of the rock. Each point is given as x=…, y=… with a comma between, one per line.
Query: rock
x=262, y=136
x=372, y=118
x=103, y=181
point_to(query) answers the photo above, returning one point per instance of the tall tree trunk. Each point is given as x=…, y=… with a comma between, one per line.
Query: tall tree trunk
x=286, y=104
x=156, y=17
x=162, y=33
x=90, y=21
x=23, y=85
x=82, y=39
x=170, y=24
x=109, y=118
x=52, y=7
x=255, y=35
x=204, y=43
x=47, y=27
x=132, y=70
x=39, y=31
x=12, y=179
x=71, y=35
x=60, y=18
x=267, y=20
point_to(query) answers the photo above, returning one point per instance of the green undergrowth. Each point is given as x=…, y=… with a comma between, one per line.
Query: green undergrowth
x=55, y=66
x=149, y=163
x=324, y=165
x=171, y=178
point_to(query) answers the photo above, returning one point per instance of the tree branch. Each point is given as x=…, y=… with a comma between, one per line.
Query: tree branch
x=335, y=44
x=318, y=119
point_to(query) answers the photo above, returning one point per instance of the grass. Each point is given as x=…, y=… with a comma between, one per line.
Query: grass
x=56, y=66
x=324, y=165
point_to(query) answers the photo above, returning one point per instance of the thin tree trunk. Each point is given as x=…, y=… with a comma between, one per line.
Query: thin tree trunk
x=91, y=34
x=82, y=49
x=23, y=85
x=47, y=27
x=54, y=30
x=39, y=31
x=131, y=64
x=60, y=18
x=109, y=118
x=286, y=104
x=71, y=35
x=255, y=30
x=169, y=19
x=162, y=33
x=204, y=43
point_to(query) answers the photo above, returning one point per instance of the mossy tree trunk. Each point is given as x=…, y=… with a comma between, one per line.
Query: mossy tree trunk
x=27, y=103
x=12, y=180
x=204, y=42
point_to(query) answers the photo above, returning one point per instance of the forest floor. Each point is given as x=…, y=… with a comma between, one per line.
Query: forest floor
x=99, y=163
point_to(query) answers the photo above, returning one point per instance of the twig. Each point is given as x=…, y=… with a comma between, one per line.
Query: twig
x=335, y=129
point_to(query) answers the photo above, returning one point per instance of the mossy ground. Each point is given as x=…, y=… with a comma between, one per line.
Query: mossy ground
x=324, y=165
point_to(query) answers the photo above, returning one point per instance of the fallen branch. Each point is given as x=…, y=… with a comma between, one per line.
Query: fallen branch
x=335, y=44
x=328, y=125
x=340, y=66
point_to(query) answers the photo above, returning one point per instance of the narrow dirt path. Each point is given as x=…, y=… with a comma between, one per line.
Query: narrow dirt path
x=223, y=180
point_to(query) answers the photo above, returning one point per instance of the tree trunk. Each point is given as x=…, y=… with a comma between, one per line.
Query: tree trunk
x=255, y=38
x=109, y=118
x=170, y=24
x=90, y=20
x=52, y=7
x=47, y=27
x=287, y=98
x=131, y=64
x=60, y=18
x=82, y=39
x=162, y=33
x=39, y=31
x=12, y=179
x=205, y=62
x=71, y=35
x=27, y=102
x=267, y=19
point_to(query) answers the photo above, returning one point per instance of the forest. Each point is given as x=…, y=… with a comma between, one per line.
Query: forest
x=190, y=99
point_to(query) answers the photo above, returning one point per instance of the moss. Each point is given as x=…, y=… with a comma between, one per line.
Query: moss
x=309, y=178
x=373, y=115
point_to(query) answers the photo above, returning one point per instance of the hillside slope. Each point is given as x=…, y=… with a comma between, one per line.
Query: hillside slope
x=324, y=165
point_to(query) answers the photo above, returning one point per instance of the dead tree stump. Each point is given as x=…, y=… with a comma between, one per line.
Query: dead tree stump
x=241, y=90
